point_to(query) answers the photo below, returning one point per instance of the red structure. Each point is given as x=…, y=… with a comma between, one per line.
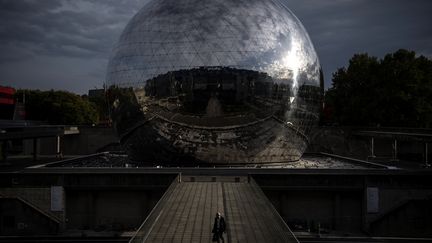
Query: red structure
x=6, y=95
x=7, y=102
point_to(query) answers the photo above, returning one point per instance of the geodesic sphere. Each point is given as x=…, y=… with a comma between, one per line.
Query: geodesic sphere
x=214, y=81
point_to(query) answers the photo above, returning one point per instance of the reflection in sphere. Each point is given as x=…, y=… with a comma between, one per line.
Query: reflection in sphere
x=214, y=81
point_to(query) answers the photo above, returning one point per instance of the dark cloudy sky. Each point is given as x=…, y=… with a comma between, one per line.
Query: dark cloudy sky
x=65, y=44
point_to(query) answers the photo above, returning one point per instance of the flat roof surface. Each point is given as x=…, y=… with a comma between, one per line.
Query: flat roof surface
x=310, y=161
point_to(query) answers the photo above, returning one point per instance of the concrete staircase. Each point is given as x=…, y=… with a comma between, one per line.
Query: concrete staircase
x=186, y=213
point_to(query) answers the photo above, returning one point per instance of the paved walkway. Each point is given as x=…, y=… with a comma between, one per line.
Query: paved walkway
x=187, y=211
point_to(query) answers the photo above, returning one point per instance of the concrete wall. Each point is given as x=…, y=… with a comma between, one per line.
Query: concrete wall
x=96, y=209
x=18, y=218
x=341, y=202
x=375, y=202
x=116, y=210
x=332, y=210
x=38, y=197
x=90, y=140
x=412, y=216
x=82, y=201
x=28, y=209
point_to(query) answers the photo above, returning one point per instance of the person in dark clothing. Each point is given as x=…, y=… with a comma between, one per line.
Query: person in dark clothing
x=218, y=228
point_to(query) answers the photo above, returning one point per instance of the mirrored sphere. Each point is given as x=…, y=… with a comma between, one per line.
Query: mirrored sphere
x=214, y=82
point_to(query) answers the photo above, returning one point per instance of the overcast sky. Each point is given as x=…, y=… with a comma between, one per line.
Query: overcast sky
x=65, y=44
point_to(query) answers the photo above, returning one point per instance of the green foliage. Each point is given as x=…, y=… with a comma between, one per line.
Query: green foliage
x=101, y=104
x=125, y=110
x=393, y=91
x=58, y=107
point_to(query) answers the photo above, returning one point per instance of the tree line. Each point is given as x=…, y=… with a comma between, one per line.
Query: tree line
x=393, y=91
x=59, y=107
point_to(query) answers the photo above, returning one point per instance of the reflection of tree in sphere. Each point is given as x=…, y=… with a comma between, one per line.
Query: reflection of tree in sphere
x=214, y=81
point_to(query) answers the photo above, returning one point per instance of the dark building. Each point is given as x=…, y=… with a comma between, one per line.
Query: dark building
x=94, y=93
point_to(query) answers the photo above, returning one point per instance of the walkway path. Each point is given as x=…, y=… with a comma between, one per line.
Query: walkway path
x=186, y=214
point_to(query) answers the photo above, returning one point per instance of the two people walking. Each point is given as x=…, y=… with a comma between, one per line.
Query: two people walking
x=219, y=228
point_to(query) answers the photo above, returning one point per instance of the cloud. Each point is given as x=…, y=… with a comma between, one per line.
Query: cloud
x=67, y=28
x=344, y=27
x=75, y=37
x=70, y=32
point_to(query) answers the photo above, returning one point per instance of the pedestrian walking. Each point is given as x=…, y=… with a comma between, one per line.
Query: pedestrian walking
x=219, y=228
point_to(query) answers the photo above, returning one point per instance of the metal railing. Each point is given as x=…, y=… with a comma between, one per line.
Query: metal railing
x=288, y=235
x=146, y=227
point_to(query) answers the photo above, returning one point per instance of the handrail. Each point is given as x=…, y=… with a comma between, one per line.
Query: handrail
x=144, y=230
x=33, y=206
x=273, y=210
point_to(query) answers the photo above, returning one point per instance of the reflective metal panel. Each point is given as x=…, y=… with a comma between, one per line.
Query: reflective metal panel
x=214, y=81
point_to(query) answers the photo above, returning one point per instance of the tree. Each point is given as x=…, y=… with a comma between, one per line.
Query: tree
x=393, y=91
x=58, y=107
x=100, y=102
